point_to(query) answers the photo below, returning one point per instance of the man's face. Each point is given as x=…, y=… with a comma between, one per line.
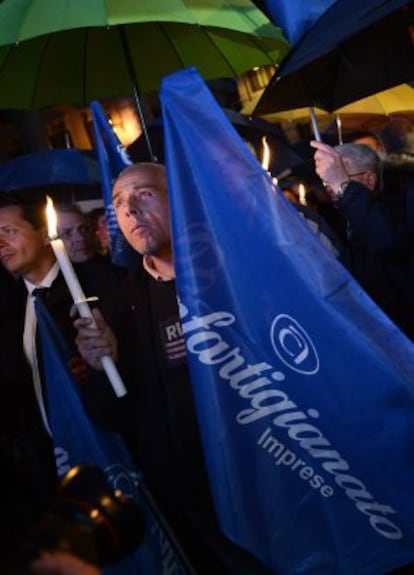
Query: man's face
x=359, y=174
x=141, y=206
x=102, y=232
x=22, y=248
x=77, y=236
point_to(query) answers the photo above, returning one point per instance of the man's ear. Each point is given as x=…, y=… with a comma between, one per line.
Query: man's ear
x=371, y=179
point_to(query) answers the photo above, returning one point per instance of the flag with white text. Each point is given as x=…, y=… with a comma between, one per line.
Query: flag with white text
x=78, y=441
x=304, y=389
x=112, y=158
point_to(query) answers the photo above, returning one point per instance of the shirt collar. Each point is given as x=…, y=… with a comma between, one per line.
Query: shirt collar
x=149, y=267
x=46, y=281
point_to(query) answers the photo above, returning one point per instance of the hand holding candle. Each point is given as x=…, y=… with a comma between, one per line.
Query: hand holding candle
x=77, y=294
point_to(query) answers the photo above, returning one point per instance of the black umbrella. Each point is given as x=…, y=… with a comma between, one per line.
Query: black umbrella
x=355, y=49
x=252, y=130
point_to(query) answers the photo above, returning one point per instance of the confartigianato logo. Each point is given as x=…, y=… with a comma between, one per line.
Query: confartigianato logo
x=293, y=346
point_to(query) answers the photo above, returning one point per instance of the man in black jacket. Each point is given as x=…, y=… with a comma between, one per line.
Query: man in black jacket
x=380, y=227
x=158, y=413
x=26, y=448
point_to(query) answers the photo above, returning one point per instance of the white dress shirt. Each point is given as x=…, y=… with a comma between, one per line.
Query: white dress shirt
x=29, y=337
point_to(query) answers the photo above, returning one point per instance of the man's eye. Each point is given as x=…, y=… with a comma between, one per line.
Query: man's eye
x=143, y=195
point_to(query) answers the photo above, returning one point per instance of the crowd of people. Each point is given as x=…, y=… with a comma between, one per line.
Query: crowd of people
x=137, y=324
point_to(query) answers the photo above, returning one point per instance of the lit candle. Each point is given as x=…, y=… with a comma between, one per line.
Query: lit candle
x=77, y=294
x=266, y=154
x=302, y=194
x=266, y=159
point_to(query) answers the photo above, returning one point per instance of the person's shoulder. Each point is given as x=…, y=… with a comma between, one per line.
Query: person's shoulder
x=103, y=263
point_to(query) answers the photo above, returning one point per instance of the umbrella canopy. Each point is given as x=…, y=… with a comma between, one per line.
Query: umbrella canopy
x=73, y=52
x=296, y=115
x=355, y=49
x=252, y=130
x=48, y=168
x=30, y=18
x=397, y=100
x=294, y=16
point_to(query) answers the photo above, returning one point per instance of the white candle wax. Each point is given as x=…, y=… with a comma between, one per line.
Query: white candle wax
x=79, y=298
x=71, y=279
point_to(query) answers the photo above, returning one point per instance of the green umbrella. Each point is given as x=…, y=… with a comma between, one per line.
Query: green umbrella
x=55, y=52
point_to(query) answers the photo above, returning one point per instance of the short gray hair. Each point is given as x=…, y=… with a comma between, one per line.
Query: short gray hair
x=142, y=166
x=363, y=159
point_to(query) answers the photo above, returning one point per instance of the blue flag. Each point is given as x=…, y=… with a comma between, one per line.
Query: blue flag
x=112, y=158
x=304, y=389
x=295, y=16
x=77, y=441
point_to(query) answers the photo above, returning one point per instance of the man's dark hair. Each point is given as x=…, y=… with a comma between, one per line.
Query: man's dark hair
x=70, y=208
x=33, y=207
x=357, y=135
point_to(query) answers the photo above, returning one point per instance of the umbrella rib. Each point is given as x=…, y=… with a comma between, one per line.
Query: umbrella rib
x=167, y=37
x=85, y=50
x=207, y=34
x=35, y=87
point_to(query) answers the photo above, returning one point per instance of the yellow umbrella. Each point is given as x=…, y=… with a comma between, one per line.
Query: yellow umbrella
x=296, y=115
x=397, y=100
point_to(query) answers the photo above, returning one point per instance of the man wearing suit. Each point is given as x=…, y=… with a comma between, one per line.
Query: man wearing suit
x=26, y=446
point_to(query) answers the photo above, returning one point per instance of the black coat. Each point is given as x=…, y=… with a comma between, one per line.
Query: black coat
x=381, y=244
x=159, y=420
x=26, y=450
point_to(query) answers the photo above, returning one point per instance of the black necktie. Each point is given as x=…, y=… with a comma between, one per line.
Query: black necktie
x=42, y=293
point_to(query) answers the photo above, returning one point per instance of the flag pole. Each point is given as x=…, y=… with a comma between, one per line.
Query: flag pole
x=136, y=91
x=339, y=129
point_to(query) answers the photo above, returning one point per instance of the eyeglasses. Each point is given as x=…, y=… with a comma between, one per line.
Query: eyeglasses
x=358, y=174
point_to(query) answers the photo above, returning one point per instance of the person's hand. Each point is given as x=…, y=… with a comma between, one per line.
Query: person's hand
x=329, y=166
x=95, y=341
x=62, y=564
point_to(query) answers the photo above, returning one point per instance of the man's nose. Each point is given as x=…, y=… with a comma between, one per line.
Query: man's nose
x=78, y=234
x=133, y=208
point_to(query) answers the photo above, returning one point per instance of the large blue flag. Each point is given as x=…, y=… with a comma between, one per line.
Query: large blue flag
x=112, y=158
x=78, y=441
x=304, y=389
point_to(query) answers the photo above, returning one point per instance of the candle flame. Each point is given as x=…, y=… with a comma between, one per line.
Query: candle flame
x=302, y=194
x=51, y=219
x=266, y=154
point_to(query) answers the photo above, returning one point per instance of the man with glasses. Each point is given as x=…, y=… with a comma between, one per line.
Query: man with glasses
x=380, y=227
